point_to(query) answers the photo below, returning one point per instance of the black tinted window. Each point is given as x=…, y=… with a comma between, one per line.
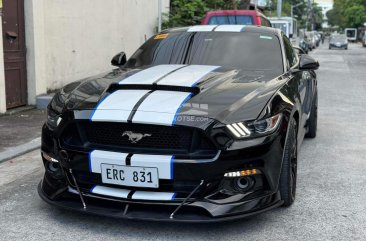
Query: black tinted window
x=251, y=51
x=291, y=56
x=265, y=22
x=241, y=20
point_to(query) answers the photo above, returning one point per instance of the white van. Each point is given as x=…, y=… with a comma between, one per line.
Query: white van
x=351, y=34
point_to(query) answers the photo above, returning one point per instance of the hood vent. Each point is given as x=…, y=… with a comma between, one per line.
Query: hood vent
x=114, y=87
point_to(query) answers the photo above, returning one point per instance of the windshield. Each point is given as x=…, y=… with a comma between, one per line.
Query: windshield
x=233, y=19
x=339, y=38
x=282, y=26
x=245, y=51
x=351, y=33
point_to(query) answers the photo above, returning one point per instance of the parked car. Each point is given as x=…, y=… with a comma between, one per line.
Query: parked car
x=304, y=46
x=318, y=38
x=202, y=123
x=311, y=39
x=338, y=41
x=246, y=17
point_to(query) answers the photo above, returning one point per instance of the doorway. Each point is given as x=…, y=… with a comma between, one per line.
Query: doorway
x=14, y=53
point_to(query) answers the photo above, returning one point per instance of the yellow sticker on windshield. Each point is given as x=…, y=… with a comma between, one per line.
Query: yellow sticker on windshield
x=161, y=36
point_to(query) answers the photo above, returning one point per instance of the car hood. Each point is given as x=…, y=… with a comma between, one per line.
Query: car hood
x=342, y=41
x=226, y=95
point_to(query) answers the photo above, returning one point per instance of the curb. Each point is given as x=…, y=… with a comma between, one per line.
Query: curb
x=20, y=150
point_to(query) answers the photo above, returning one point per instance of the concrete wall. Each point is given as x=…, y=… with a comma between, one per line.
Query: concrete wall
x=68, y=40
x=2, y=73
x=35, y=44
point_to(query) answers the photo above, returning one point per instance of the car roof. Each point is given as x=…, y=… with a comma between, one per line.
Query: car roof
x=233, y=12
x=225, y=28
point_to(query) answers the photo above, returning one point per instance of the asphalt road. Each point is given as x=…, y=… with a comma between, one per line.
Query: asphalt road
x=331, y=197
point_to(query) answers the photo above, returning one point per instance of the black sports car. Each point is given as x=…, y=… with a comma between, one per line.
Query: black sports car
x=200, y=124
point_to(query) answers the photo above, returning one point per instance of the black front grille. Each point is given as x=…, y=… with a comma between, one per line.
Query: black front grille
x=154, y=137
x=116, y=134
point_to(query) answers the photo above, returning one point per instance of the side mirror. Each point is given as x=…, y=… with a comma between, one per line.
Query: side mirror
x=308, y=63
x=299, y=50
x=119, y=60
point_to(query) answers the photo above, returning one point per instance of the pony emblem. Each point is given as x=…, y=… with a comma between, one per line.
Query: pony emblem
x=134, y=137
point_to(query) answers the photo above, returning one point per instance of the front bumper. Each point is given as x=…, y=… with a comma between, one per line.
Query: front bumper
x=198, y=211
x=215, y=201
x=339, y=46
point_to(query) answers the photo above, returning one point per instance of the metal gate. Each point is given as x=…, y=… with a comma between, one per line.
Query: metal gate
x=14, y=53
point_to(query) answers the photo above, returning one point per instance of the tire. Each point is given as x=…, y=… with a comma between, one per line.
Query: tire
x=313, y=119
x=287, y=185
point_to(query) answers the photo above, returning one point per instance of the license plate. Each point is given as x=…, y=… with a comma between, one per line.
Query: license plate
x=130, y=176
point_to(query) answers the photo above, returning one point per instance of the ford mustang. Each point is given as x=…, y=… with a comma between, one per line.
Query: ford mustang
x=200, y=124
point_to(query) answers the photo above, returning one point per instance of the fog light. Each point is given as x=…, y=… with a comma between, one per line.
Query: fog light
x=54, y=169
x=242, y=173
x=244, y=183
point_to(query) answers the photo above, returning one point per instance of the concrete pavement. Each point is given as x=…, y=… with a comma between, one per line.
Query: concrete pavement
x=20, y=132
x=331, y=194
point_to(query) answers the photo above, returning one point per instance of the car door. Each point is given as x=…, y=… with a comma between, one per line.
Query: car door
x=303, y=79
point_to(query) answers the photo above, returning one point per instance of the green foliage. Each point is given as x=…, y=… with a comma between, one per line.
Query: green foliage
x=185, y=13
x=301, y=12
x=347, y=13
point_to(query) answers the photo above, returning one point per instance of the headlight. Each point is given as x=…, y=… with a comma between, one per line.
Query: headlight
x=53, y=119
x=256, y=128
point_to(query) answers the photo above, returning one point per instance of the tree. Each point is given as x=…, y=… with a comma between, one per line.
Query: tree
x=300, y=12
x=347, y=13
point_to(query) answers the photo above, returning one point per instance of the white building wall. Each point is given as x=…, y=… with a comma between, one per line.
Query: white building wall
x=68, y=40
x=35, y=44
x=2, y=73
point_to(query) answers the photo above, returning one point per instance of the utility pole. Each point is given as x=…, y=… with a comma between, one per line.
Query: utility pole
x=307, y=15
x=159, y=15
x=279, y=8
x=235, y=4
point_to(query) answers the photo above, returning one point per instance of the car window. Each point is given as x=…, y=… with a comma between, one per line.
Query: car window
x=247, y=51
x=264, y=22
x=291, y=56
x=232, y=19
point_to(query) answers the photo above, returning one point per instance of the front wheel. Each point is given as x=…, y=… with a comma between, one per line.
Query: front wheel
x=288, y=177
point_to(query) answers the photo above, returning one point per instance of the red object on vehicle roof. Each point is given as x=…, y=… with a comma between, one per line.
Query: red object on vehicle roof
x=242, y=17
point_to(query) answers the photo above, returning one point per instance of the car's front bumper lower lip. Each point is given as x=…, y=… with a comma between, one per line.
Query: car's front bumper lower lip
x=339, y=46
x=197, y=211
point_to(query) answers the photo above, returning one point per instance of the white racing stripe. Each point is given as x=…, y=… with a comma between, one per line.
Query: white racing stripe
x=201, y=28
x=138, y=195
x=97, y=157
x=230, y=28
x=188, y=76
x=117, y=106
x=153, y=196
x=160, y=107
x=109, y=191
x=150, y=75
x=163, y=163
